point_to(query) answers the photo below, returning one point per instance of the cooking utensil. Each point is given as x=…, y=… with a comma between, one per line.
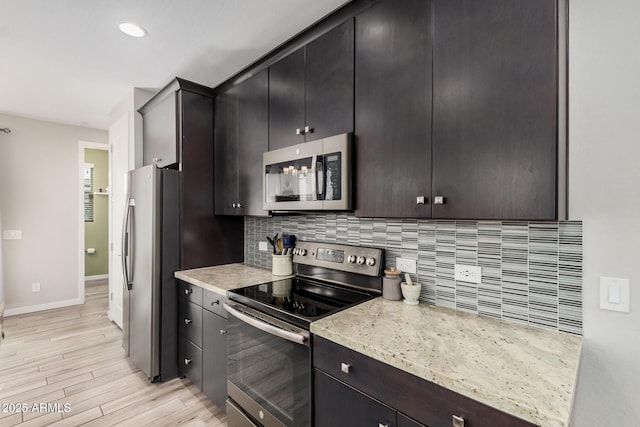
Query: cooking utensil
x=272, y=242
x=280, y=246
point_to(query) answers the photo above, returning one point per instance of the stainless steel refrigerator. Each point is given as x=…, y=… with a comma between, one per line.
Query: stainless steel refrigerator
x=151, y=254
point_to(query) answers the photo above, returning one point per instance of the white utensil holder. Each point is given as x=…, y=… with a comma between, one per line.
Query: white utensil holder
x=281, y=265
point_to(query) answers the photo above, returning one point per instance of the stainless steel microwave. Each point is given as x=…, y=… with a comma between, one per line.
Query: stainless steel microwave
x=314, y=176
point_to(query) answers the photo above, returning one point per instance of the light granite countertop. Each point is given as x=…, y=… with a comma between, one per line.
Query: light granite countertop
x=222, y=278
x=527, y=372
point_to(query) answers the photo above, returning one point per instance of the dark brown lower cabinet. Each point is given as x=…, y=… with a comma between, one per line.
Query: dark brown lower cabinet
x=339, y=405
x=365, y=387
x=214, y=355
x=202, y=340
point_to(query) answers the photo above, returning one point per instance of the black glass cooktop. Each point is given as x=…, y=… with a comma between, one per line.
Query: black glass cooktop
x=299, y=300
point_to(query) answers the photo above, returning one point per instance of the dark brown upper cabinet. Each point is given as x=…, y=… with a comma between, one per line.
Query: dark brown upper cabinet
x=178, y=120
x=241, y=131
x=495, y=109
x=311, y=90
x=393, y=110
x=456, y=105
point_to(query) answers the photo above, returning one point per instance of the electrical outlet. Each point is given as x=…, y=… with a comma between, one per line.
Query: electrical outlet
x=262, y=246
x=406, y=265
x=35, y=287
x=468, y=273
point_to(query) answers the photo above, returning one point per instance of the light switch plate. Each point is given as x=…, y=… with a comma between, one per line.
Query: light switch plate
x=614, y=294
x=12, y=234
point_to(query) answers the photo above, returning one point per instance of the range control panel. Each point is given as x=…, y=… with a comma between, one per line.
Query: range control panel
x=353, y=259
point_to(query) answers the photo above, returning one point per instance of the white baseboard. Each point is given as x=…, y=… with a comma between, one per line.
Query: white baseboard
x=41, y=307
x=96, y=277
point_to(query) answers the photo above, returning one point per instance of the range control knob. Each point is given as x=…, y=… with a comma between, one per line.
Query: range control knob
x=371, y=261
x=295, y=251
x=360, y=260
x=303, y=252
x=351, y=259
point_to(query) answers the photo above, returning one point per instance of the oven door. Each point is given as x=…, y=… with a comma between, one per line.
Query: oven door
x=269, y=364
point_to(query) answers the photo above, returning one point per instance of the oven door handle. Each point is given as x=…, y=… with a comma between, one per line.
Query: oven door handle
x=301, y=338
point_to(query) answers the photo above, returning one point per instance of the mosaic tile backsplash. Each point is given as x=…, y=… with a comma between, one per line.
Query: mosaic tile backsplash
x=531, y=271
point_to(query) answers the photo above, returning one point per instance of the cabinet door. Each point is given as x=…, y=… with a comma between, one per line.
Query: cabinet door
x=214, y=358
x=393, y=109
x=337, y=404
x=494, y=129
x=329, y=83
x=286, y=100
x=225, y=153
x=253, y=131
x=160, y=134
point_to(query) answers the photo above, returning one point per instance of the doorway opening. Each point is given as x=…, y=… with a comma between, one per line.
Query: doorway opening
x=94, y=213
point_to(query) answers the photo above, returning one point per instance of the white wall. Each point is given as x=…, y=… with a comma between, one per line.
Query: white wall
x=39, y=188
x=604, y=192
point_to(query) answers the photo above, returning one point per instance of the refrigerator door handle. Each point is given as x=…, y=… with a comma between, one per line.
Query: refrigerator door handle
x=127, y=244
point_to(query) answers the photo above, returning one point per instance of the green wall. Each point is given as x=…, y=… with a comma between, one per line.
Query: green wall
x=96, y=233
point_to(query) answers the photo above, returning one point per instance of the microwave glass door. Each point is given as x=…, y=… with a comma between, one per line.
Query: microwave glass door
x=292, y=181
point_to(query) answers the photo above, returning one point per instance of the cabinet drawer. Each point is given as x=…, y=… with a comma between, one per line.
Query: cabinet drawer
x=190, y=322
x=191, y=292
x=338, y=405
x=419, y=399
x=213, y=302
x=190, y=361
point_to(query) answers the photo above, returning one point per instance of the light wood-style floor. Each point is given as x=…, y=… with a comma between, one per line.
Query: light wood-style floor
x=73, y=356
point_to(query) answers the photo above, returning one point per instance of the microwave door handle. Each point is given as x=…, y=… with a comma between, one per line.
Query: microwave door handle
x=320, y=178
x=268, y=328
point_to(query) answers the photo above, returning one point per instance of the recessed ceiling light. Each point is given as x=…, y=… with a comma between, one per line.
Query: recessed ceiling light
x=131, y=29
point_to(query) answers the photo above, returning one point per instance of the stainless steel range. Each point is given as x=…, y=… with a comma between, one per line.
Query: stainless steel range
x=269, y=359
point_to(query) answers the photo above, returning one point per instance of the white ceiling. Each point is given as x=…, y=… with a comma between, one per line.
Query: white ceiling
x=66, y=61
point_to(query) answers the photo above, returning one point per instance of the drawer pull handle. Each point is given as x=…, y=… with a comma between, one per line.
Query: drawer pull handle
x=345, y=368
x=215, y=302
x=458, y=421
x=188, y=291
x=187, y=361
x=187, y=321
x=223, y=332
x=383, y=425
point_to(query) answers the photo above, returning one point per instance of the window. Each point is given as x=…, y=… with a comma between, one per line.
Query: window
x=88, y=192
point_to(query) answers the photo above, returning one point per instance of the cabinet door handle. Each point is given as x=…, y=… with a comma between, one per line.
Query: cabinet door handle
x=223, y=332
x=233, y=205
x=439, y=200
x=299, y=131
x=308, y=129
x=156, y=159
x=457, y=421
x=239, y=205
x=187, y=361
x=215, y=302
x=188, y=291
x=345, y=368
x=421, y=200
x=383, y=425
x=187, y=321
